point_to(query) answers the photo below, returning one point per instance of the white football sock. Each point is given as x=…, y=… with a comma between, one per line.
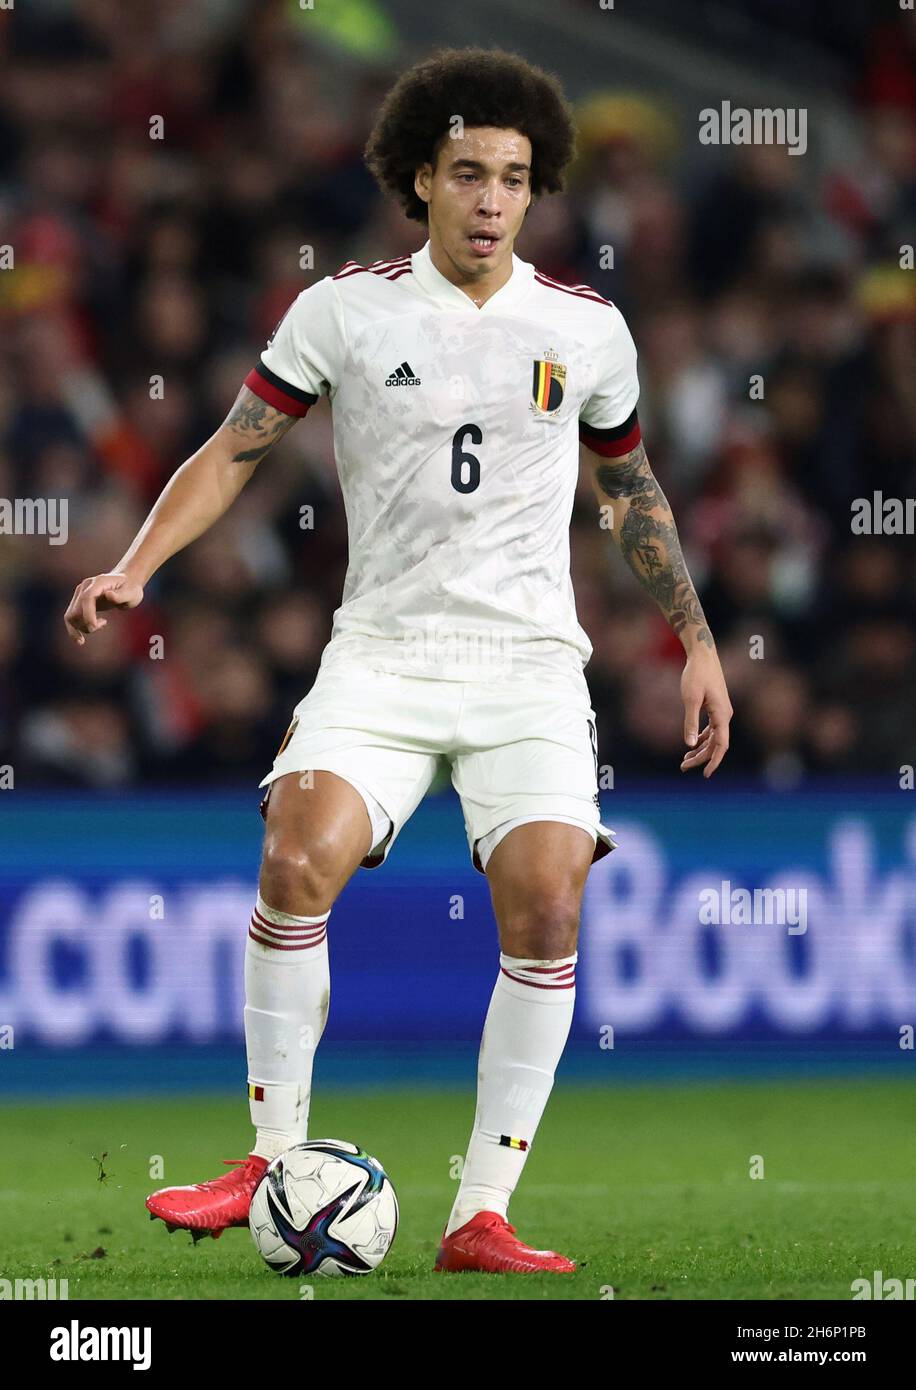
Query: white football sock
x=287, y=991
x=524, y=1035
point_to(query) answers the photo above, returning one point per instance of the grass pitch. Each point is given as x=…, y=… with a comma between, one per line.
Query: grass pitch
x=648, y=1188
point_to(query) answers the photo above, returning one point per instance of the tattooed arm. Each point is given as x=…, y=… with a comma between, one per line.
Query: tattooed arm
x=252, y=428
x=195, y=497
x=644, y=530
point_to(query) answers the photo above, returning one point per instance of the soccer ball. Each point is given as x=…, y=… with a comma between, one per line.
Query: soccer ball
x=324, y=1207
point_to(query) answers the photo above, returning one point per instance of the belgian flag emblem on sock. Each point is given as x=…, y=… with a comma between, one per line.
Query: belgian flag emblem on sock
x=508, y=1142
x=255, y=1092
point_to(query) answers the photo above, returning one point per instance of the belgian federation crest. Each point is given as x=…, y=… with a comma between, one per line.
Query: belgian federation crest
x=547, y=386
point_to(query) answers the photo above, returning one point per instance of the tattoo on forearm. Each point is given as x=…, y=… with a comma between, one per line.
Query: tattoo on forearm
x=649, y=542
x=261, y=422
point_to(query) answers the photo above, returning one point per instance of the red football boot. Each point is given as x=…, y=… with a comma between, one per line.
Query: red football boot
x=208, y=1208
x=487, y=1243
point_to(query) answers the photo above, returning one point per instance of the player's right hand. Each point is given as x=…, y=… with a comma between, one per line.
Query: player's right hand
x=93, y=596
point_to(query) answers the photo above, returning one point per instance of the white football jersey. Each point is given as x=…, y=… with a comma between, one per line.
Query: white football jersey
x=456, y=434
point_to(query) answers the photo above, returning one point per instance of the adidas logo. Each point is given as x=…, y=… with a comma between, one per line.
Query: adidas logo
x=403, y=376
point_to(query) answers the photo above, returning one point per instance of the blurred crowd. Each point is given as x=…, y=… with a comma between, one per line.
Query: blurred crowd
x=777, y=340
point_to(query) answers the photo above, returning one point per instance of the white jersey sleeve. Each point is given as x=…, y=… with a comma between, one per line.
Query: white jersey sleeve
x=304, y=355
x=608, y=423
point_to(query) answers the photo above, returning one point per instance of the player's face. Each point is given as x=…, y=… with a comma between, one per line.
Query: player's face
x=477, y=196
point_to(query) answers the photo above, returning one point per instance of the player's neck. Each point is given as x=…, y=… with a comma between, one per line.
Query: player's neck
x=478, y=288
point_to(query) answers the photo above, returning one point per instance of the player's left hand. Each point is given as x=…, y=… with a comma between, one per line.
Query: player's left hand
x=703, y=688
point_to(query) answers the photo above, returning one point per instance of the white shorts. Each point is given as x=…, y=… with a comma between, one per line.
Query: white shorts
x=517, y=753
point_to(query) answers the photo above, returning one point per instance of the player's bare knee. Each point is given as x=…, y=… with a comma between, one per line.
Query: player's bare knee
x=297, y=878
x=544, y=927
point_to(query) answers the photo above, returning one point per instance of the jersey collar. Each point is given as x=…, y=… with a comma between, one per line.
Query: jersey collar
x=434, y=283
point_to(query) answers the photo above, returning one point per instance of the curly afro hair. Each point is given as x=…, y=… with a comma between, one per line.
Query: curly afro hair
x=485, y=87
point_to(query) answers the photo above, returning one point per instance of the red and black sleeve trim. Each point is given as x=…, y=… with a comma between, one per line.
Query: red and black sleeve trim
x=613, y=443
x=292, y=400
